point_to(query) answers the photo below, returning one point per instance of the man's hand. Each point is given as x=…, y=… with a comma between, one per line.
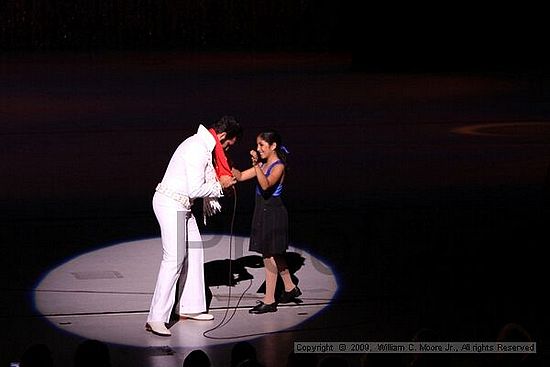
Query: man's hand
x=227, y=181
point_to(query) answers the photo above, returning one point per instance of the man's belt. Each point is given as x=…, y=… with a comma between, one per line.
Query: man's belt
x=174, y=195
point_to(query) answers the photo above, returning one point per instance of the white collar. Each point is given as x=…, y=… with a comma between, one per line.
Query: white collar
x=207, y=137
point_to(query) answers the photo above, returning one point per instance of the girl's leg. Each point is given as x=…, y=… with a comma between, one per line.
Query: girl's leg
x=270, y=279
x=282, y=268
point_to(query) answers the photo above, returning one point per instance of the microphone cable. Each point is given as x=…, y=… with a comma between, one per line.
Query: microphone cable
x=223, y=322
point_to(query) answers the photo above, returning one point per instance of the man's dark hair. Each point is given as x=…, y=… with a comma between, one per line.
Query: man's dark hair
x=228, y=124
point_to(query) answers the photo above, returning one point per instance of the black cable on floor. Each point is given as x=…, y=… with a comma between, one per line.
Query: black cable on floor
x=223, y=322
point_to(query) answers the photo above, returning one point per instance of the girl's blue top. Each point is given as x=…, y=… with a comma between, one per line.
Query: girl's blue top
x=279, y=189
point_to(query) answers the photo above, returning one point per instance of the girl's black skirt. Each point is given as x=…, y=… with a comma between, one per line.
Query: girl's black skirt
x=269, y=233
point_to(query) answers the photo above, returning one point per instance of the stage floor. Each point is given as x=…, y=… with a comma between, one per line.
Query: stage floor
x=418, y=202
x=105, y=295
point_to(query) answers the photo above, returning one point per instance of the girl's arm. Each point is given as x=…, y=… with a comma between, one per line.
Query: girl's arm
x=274, y=177
x=249, y=173
x=243, y=175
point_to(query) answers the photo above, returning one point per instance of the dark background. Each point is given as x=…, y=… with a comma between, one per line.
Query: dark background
x=407, y=37
x=425, y=227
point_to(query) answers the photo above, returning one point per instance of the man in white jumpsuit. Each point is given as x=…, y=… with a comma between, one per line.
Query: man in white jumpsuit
x=189, y=175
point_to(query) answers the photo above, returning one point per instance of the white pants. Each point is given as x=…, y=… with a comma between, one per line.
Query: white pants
x=182, y=259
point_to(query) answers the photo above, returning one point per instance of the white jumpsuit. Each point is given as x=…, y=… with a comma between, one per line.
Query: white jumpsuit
x=189, y=175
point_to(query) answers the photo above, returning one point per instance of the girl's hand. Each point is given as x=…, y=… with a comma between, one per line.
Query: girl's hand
x=254, y=157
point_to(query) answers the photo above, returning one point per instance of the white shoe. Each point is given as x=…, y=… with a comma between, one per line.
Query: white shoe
x=157, y=328
x=198, y=316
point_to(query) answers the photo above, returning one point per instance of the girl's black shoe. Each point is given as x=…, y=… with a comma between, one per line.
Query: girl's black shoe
x=263, y=307
x=290, y=296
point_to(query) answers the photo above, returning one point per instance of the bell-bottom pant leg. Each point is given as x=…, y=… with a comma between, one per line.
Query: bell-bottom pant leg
x=192, y=296
x=182, y=259
x=172, y=221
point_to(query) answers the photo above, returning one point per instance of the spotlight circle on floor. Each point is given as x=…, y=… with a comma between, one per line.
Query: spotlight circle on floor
x=105, y=294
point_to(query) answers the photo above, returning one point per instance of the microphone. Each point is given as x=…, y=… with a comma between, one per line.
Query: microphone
x=255, y=156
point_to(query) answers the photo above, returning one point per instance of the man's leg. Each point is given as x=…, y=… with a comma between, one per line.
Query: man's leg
x=173, y=229
x=193, y=298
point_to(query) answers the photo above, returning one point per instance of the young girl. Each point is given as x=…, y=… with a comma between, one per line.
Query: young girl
x=269, y=233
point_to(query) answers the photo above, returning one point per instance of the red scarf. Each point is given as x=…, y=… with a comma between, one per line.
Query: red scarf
x=221, y=164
